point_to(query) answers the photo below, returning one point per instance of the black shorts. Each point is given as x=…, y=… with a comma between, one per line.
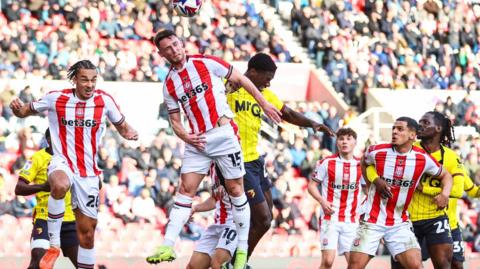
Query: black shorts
x=433, y=231
x=458, y=251
x=68, y=233
x=255, y=181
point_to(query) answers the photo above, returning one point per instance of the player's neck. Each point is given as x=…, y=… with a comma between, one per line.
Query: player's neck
x=346, y=156
x=179, y=65
x=431, y=144
x=403, y=148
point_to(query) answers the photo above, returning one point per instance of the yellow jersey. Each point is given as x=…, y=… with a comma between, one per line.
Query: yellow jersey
x=35, y=171
x=422, y=206
x=468, y=186
x=248, y=117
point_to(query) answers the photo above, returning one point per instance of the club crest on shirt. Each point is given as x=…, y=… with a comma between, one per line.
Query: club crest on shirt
x=80, y=112
x=398, y=171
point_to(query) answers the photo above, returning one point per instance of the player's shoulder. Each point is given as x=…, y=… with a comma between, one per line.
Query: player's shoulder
x=450, y=152
x=41, y=156
x=326, y=159
x=59, y=92
x=267, y=92
x=377, y=147
x=418, y=149
x=103, y=94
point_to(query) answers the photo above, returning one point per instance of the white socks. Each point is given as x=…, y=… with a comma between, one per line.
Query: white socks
x=241, y=216
x=56, y=210
x=86, y=258
x=179, y=215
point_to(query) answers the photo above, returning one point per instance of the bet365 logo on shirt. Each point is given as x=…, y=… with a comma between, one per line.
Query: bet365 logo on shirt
x=79, y=122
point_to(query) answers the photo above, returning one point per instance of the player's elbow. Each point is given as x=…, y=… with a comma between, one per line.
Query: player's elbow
x=18, y=190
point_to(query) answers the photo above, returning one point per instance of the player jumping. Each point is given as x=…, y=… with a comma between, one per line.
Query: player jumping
x=196, y=82
x=77, y=119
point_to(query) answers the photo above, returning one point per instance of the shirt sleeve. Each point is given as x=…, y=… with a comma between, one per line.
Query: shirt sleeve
x=320, y=172
x=273, y=99
x=432, y=167
x=370, y=156
x=170, y=101
x=29, y=170
x=113, y=111
x=219, y=67
x=43, y=104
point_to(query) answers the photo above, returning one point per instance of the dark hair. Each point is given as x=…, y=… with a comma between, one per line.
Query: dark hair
x=411, y=123
x=47, y=133
x=447, y=135
x=83, y=64
x=262, y=62
x=347, y=132
x=162, y=35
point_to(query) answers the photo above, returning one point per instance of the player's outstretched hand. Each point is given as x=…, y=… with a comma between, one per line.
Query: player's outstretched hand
x=16, y=105
x=327, y=208
x=441, y=201
x=272, y=112
x=197, y=140
x=323, y=128
x=131, y=134
x=383, y=188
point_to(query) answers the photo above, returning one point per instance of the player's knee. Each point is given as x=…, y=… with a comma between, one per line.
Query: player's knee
x=86, y=237
x=235, y=189
x=190, y=266
x=327, y=262
x=215, y=264
x=457, y=265
x=59, y=188
x=187, y=190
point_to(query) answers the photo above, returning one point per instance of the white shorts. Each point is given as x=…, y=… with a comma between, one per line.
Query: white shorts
x=222, y=147
x=398, y=239
x=84, y=190
x=337, y=236
x=222, y=236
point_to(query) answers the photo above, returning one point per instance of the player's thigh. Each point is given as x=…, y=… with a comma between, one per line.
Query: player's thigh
x=85, y=195
x=400, y=239
x=411, y=259
x=458, y=249
x=358, y=260
x=194, y=162
x=367, y=239
x=59, y=175
x=328, y=257
x=251, y=182
x=199, y=260
x=439, y=239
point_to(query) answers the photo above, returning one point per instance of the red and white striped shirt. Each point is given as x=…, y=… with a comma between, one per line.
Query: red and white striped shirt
x=341, y=184
x=77, y=126
x=402, y=172
x=200, y=90
x=223, y=206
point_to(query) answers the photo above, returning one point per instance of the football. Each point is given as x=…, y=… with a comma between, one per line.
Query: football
x=187, y=8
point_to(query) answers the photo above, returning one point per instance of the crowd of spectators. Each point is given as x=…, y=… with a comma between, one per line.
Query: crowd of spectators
x=392, y=44
x=42, y=38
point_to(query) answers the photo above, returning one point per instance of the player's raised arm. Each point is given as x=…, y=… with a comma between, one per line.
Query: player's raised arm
x=20, y=109
x=268, y=108
x=296, y=118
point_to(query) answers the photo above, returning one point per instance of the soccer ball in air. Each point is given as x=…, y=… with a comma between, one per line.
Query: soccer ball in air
x=187, y=8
